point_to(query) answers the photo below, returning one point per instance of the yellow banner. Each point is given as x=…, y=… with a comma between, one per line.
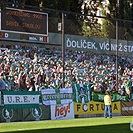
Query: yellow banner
x=94, y=108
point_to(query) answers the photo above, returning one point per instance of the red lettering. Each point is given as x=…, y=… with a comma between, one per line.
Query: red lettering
x=62, y=111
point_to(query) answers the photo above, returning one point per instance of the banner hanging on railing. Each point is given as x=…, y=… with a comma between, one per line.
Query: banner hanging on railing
x=57, y=96
x=99, y=97
x=21, y=99
x=82, y=93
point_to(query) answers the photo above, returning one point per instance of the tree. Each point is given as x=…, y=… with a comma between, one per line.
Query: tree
x=119, y=9
x=76, y=15
x=94, y=30
x=69, y=7
x=91, y=26
x=80, y=16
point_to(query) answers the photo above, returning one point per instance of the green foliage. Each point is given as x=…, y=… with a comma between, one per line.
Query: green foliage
x=31, y=2
x=108, y=29
x=71, y=20
x=91, y=26
x=118, y=10
x=2, y=5
x=94, y=30
x=65, y=5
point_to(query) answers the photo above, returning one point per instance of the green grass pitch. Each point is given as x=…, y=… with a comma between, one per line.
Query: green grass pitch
x=80, y=125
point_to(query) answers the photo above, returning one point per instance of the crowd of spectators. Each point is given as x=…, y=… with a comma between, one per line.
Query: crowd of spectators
x=32, y=68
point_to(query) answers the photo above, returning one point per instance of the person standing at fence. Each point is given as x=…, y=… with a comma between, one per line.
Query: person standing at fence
x=127, y=86
x=107, y=105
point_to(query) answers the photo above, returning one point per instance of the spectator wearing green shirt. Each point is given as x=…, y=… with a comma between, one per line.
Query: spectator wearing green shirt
x=127, y=85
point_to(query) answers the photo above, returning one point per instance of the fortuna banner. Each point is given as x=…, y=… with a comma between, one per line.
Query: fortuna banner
x=21, y=99
x=57, y=96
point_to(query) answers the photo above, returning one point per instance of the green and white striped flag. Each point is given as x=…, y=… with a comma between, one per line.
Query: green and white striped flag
x=82, y=93
x=57, y=96
x=21, y=99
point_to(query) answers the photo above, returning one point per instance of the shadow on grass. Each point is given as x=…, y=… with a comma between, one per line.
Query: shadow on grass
x=117, y=128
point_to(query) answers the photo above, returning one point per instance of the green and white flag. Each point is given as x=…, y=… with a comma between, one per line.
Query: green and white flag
x=21, y=99
x=57, y=96
x=82, y=93
x=99, y=97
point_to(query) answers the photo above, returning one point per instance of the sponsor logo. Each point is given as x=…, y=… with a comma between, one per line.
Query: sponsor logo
x=37, y=113
x=7, y=114
x=85, y=107
x=62, y=110
x=94, y=108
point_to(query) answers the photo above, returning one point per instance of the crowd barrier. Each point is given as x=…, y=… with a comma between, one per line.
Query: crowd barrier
x=53, y=104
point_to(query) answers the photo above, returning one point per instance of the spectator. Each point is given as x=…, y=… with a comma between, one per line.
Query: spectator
x=37, y=67
x=127, y=85
x=107, y=105
x=2, y=84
